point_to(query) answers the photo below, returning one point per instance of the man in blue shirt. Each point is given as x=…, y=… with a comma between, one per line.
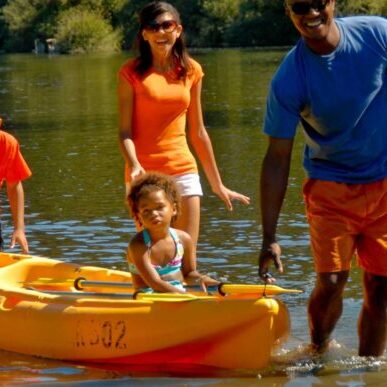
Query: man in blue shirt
x=334, y=81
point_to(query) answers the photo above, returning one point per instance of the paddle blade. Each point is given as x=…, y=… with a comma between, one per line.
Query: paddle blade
x=268, y=290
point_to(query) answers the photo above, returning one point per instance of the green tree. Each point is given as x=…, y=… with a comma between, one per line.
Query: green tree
x=220, y=16
x=126, y=16
x=194, y=20
x=207, y=23
x=81, y=30
x=362, y=7
x=261, y=23
x=27, y=20
x=3, y=25
x=23, y=21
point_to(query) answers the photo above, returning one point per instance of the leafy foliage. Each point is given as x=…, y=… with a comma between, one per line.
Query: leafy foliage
x=100, y=25
x=27, y=20
x=81, y=30
x=263, y=23
x=362, y=7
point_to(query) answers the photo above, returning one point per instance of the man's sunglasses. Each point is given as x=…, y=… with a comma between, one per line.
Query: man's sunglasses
x=304, y=7
x=166, y=26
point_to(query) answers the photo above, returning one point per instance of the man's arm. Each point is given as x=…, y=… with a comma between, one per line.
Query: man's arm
x=16, y=199
x=274, y=180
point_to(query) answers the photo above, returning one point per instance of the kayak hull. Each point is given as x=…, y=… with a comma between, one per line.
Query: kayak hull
x=231, y=332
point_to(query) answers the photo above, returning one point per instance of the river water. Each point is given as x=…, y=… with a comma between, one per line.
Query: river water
x=63, y=110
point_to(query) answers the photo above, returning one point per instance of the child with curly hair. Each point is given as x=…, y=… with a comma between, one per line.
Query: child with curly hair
x=160, y=258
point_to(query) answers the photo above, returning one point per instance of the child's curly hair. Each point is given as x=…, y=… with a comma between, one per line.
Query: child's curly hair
x=152, y=182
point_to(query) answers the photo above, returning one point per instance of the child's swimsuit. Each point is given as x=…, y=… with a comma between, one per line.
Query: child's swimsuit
x=172, y=267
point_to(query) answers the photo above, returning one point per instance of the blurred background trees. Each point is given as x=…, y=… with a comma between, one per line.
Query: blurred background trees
x=111, y=25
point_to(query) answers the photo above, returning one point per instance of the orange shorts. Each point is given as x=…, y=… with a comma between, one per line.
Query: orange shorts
x=347, y=220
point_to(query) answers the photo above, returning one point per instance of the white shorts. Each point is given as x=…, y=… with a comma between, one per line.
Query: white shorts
x=189, y=184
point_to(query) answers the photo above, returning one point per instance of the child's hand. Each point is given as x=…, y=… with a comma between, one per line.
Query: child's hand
x=196, y=279
x=208, y=281
x=19, y=237
x=205, y=281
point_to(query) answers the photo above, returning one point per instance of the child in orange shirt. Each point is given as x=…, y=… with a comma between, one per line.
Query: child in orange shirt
x=14, y=169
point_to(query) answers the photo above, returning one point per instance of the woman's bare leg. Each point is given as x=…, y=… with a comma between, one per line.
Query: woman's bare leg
x=189, y=219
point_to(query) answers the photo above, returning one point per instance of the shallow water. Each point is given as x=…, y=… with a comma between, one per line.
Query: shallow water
x=63, y=111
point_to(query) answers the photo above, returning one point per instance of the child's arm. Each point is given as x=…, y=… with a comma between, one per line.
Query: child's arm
x=138, y=254
x=15, y=194
x=191, y=275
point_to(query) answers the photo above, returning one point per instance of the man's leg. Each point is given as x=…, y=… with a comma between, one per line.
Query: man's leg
x=372, y=321
x=325, y=307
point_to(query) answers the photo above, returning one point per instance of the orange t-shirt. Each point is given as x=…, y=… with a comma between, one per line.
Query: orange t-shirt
x=13, y=167
x=159, y=119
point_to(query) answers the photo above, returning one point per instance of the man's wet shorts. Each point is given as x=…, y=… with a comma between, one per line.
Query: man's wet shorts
x=347, y=220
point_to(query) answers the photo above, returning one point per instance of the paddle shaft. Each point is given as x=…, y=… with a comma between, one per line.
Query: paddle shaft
x=81, y=283
x=171, y=297
x=222, y=288
x=86, y=294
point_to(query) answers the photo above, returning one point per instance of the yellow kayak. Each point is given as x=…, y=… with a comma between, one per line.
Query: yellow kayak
x=46, y=310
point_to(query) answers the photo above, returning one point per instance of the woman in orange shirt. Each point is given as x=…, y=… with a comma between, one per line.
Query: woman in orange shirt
x=158, y=93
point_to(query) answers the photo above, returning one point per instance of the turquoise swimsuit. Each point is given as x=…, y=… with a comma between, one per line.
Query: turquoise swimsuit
x=172, y=267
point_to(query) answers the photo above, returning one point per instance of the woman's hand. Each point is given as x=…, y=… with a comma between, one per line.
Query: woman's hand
x=227, y=196
x=136, y=171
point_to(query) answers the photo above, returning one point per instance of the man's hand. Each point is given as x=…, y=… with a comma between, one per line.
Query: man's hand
x=270, y=252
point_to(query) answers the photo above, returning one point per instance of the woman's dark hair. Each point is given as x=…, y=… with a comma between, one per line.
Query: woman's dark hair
x=152, y=182
x=179, y=51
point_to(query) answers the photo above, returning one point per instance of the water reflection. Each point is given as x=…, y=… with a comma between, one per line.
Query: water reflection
x=339, y=367
x=64, y=112
x=21, y=369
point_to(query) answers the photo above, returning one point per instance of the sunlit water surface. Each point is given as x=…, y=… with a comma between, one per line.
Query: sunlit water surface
x=63, y=110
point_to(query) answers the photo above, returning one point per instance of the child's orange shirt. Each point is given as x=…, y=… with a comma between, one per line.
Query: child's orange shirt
x=13, y=167
x=159, y=119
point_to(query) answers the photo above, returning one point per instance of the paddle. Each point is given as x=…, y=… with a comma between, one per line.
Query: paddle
x=223, y=288
x=168, y=297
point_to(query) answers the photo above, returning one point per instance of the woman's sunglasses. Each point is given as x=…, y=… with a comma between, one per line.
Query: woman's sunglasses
x=304, y=7
x=166, y=26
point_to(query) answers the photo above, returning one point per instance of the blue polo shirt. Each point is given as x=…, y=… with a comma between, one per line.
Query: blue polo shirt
x=341, y=101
